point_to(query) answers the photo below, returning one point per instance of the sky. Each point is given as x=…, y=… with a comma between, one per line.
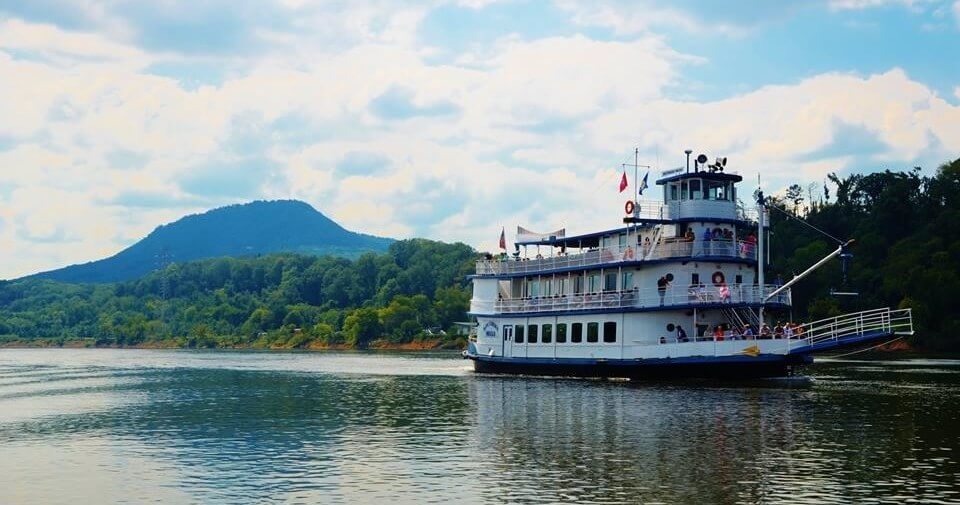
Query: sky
x=444, y=119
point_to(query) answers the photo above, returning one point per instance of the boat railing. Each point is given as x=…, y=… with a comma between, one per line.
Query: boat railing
x=646, y=298
x=665, y=249
x=894, y=322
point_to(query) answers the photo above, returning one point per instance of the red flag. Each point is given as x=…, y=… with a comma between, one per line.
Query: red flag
x=623, y=182
x=503, y=239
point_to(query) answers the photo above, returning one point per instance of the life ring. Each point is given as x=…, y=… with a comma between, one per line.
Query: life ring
x=628, y=253
x=718, y=278
x=629, y=206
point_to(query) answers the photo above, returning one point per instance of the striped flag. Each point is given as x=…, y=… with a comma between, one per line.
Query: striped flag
x=503, y=239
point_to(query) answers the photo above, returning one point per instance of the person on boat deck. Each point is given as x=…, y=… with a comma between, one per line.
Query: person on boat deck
x=707, y=237
x=646, y=247
x=718, y=332
x=778, y=330
x=788, y=330
x=764, y=331
x=747, y=332
x=749, y=244
x=733, y=333
x=662, y=284
x=681, y=334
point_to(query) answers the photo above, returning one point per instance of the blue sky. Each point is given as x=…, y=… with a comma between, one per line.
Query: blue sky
x=451, y=118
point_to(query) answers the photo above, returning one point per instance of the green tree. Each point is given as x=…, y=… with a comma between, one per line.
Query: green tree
x=361, y=326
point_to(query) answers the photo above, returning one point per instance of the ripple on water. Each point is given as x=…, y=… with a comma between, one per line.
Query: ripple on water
x=209, y=427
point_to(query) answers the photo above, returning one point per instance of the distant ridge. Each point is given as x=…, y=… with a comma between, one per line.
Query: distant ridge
x=248, y=229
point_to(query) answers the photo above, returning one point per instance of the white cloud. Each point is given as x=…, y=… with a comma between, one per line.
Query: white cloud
x=539, y=130
x=868, y=4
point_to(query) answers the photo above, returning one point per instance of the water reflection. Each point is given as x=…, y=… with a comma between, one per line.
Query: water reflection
x=309, y=428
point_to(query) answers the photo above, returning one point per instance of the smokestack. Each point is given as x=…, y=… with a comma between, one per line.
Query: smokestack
x=689, y=152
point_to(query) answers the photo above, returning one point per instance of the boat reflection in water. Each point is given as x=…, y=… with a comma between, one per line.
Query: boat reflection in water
x=552, y=441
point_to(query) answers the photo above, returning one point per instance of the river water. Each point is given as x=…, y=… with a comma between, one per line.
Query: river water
x=143, y=426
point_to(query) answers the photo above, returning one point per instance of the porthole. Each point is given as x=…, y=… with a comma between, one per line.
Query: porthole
x=670, y=327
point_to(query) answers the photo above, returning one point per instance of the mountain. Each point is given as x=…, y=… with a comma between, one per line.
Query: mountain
x=237, y=230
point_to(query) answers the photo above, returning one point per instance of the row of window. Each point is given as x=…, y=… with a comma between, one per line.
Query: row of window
x=544, y=333
x=534, y=287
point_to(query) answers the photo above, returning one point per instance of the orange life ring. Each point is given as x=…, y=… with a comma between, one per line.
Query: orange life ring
x=628, y=253
x=718, y=278
x=629, y=206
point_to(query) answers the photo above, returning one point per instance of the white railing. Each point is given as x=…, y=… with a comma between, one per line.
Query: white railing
x=631, y=299
x=611, y=255
x=894, y=322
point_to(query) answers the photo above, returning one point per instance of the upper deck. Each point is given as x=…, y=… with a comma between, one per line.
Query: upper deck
x=672, y=248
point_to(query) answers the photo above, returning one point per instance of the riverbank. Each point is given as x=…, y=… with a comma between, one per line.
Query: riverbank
x=10, y=342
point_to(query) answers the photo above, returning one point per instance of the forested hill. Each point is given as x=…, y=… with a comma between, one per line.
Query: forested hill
x=415, y=289
x=907, y=250
x=260, y=227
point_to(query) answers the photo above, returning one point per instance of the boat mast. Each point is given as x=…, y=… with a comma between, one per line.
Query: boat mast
x=760, y=257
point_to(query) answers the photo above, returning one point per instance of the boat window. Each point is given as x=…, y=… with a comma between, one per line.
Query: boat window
x=564, y=286
x=694, y=279
x=547, y=336
x=627, y=281
x=518, y=334
x=607, y=242
x=739, y=279
x=561, y=333
x=610, y=282
x=716, y=190
x=532, y=333
x=683, y=190
x=673, y=191
x=578, y=285
x=609, y=332
x=507, y=332
x=547, y=287
x=695, y=193
x=534, y=287
x=623, y=240
x=576, y=333
x=594, y=283
x=593, y=332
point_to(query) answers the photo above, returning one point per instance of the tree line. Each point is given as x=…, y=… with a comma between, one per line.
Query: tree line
x=906, y=253
x=416, y=290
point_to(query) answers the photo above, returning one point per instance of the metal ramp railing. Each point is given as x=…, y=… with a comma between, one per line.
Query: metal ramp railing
x=850, y=326
x=741, y=317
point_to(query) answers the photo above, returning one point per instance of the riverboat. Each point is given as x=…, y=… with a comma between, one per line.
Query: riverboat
x=678, y=291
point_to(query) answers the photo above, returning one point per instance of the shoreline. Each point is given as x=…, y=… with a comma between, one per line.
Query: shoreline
x=377, y=345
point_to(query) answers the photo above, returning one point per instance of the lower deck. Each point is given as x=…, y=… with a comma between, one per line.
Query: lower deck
x=603, y=350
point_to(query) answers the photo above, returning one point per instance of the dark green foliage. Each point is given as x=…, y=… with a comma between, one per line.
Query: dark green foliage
x=282, y=300
x=907, y=250
x=237, y=230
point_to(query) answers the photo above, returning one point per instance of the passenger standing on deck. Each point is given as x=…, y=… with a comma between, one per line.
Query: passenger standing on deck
x=662, y=284
x=681, y=334
x=707, y=237
x=646, y=247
